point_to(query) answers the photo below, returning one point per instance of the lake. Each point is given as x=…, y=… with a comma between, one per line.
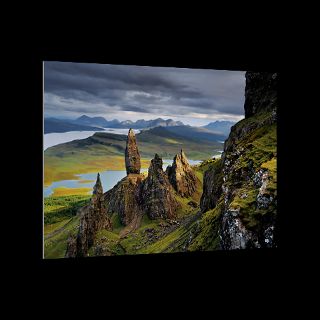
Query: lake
x=109, y=179
x=52, y=139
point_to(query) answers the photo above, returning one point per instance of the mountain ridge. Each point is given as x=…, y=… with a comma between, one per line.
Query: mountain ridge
x=53, y=125
x=220, y=126
x=86, y=123
x=127, y=124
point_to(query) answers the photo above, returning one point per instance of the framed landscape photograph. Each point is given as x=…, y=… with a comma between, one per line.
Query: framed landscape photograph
x=143, y=160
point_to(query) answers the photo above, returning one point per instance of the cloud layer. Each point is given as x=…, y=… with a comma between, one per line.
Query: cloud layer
x=135, y=92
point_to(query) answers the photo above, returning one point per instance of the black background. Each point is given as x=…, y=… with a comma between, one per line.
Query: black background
x=192, y=276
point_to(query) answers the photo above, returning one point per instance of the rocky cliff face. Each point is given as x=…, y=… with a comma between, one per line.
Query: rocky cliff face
x=93, y=218
x=212, y=186
x=158, y=199
x=124, y=198
x=132, y=155
x=182, y=176
x=244, y=184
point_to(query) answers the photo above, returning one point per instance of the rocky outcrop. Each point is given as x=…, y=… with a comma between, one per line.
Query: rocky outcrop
x=212, y=186
x=124, y=198
x=243, y=185
x=132, y=155
x=249, y=169
x=136, y=195
x=235, y=235
x=71, y=251
x=97, y=190
x=93, y=218
x=260, y=92
x=158, y=200
x=182, y=176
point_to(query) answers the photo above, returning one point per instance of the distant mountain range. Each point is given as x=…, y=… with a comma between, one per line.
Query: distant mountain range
x=52, y=125
x=96, y=121
x=127, y=124
x=219, y=129
x=85, y=123
x=222, y=127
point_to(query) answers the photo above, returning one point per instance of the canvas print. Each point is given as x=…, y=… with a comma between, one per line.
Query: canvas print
x=147, y=160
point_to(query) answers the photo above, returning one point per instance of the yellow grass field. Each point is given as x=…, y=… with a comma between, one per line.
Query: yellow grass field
x=63, y=191
x=56, y=169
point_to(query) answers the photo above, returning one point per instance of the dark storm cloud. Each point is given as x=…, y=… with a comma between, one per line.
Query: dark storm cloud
x=130, y=107
x=94, y=88
x=94, y=78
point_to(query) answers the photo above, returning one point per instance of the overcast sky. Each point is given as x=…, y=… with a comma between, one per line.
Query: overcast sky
x=193, y=96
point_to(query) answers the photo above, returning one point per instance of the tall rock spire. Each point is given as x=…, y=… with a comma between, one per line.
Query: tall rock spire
x=97, y=189
x=132, y=155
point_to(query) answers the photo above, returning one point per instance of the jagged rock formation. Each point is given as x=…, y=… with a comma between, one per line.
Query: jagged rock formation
x=124, y=198
x=132, y=155
x=182, y=176
x=158, y=199
x=93, y=218
x=136, y=195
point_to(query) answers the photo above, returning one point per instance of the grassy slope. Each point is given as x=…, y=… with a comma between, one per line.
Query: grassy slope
x=59, y=221
x=168, y=144
x=55, y=246
x=198, y=233
x=59, y=208
x=260, y=147
x=262, y=150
